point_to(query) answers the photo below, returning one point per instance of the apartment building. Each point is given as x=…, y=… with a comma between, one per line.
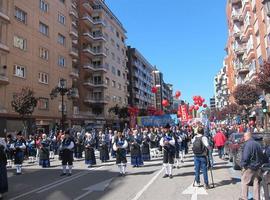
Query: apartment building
x=140, y=79
x=248, y=40
x=212, y=103
x=221, y=97
x=103, y=70
x=36, y=51
x=165, y=91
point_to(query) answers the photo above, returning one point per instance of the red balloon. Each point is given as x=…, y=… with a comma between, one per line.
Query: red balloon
x=154, y=90
x=205, y=105
x=203, y=100
x=177, y=94
x=165, y=102
x=196, y=107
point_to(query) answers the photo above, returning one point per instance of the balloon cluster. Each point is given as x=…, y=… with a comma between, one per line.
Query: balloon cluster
x=154, y=89
x=198, y=102
x=165, y=102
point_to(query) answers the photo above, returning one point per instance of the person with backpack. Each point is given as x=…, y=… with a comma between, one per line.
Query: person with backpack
x=200, y=150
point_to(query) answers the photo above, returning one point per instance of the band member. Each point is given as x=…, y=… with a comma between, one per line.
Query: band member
x=10, y=150
x=153, y=143
x=44, y=157
x=78, y=146
x=66, y=147
x=167, y=143
x=103, y=148
x=119, y=146
x=31, y=144
x=3, y=169
x=89, y=146
x=146, y=147
x=19, y=148
x=135, y=150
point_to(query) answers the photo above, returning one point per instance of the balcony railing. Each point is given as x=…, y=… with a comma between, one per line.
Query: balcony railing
x=95, y=100
x=3, y=76
x=73, y=13
x=94, y=52
x=74, y=32
x=74, y=52
x=92, y=37
x=74, y=73
x=95, y=67
x=92, y=83
x=90, y=21
x=3, y=14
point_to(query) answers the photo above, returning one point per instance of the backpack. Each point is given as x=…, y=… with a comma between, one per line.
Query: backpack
x=198, y=146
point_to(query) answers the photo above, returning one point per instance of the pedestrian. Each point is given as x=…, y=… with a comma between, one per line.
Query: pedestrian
x=219, y=140
x=78, y=146
x=89, y=146
x=67, y=146
x=178, y=141
x=146, y=147
x=10, y=150
x=31, y=144
x=120, y=144
x=19, y=148
x=167, y=143
x=251, y=161
x=3, y=169
x=44, y=153
x=200, y=150
x=135, y=150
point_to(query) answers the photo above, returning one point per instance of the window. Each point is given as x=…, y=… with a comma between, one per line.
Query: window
x=19, y=42
x=118, y=72
x=119, y=86
x=61, y=61
x=19, y=71
x=113, y=84
x=107, y=81
x=61, y=39
x=43, y=103
x=64, y=106
x=43, y=5
x=61, y=19
x=43, y=28
x=62, y=1
x=114, y=98
x=20, y=15
x=118, y=47
x=113, y=70
x=117, y=34
x=43, y=53
x=43, y=77
x=113, y=56
x=112, y=42
x=120, y=99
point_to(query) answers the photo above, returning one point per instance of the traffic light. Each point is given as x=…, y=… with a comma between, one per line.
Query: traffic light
x=264, y=106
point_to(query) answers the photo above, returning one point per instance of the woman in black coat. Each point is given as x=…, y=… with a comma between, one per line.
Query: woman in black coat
x=3, y=169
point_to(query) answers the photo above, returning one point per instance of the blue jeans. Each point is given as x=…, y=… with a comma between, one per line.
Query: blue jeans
x=200, y=163
x=221, y=151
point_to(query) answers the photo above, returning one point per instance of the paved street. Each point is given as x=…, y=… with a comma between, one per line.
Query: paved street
x=102, y=182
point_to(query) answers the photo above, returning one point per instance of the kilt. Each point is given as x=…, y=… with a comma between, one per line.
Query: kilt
x=67, y=157
x=19, y=155
x=121, y=156
x=3, y=178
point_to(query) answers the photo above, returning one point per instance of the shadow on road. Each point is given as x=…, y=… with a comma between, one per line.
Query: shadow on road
x=232, y=181
x=141, y=173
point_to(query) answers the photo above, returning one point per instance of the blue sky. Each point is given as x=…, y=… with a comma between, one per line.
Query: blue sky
x=184, y=39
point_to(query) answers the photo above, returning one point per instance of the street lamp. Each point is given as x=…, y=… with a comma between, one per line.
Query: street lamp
x=62, y=90
x=267, y=6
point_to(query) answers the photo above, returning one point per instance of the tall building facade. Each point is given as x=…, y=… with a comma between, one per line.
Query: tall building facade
x=36, y=51
x=248, y=41
x=140, y=79
x=165, y=91
x=221, y=89
x=103, y=70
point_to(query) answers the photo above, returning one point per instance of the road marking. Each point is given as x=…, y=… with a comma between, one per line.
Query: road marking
x=194, y=191
x=100, y=187
x=68, y=180
x=139, y=194
x=51, y=184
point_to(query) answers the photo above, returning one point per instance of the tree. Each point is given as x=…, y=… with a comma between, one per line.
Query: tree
x=246, y=95
x=263, y=78
x=24, y=103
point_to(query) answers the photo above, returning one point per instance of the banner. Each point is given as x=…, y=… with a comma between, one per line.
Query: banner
x=184, y=112
x=157, y=121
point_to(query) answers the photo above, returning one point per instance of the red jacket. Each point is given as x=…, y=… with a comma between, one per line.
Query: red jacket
x=219, y=139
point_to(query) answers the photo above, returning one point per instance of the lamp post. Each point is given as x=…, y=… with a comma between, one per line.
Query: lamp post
x=62, y=90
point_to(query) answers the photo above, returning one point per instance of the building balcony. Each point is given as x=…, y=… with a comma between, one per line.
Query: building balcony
x=75, y=93
x=246, y=6
x=240, y=50
x=93, y=68
x=93, y=37
x=73, y=33
x=236, y=1
x=75, y=42
x=4, y=47
x=93, y=84
x=73, y=13
x=74, y=73
x=243, y=70
x=74, y=52
x=95, y=100
x=250, y=55
x=93, y=52
x=92, y=22
x=87, y=6
x=237, y=16
x=3, y=76
x=3, y=15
